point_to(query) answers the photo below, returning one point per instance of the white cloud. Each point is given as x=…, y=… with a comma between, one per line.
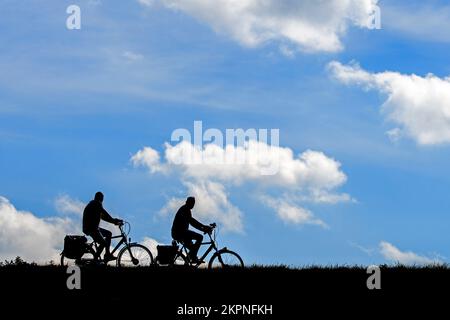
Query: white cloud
x=151, y=244
x=287, y=51
x=132, y=56
x=368, y=251
x=323, y=196
x=172, y=206
x=308, y=170
x=420, y=21
x=149, y=158
x=146, y=2
x=394, y=134
x=309, y=25
x=65, y=204
x=30, y=237
x=205, y=172
x=392, y=253
x=419, y=105
x=291, y=213
x=212, y=205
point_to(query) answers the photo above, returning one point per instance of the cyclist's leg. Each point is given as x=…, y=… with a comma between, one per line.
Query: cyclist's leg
x=106, y=235
x=193, y=247
x=100, y=240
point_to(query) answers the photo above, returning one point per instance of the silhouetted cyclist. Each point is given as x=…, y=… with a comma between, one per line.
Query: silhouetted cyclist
x=181, y=232
x=92, y=215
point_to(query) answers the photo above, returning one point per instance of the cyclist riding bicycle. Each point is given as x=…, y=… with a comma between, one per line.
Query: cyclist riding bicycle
x=93, y=213
x=181, y=232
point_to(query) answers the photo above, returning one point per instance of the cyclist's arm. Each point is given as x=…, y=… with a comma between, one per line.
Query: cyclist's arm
x=196, y=224
x=107, y=217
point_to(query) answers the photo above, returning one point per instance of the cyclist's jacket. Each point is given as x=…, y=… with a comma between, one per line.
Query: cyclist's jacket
x=182, y=220
x=92, y=215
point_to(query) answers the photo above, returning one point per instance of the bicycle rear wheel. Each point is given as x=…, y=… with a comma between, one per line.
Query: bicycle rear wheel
x=140, y=256
x=87, y=256
x=65, y=262
x=225, y=259
x=180, y=260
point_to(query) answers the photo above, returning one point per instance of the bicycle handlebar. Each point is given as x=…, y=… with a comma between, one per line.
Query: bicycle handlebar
x=212, y=226
x=121, y=226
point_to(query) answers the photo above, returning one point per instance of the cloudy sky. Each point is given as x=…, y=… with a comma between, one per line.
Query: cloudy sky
x=363, y=116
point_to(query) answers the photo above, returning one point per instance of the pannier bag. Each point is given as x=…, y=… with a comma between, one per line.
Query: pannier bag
x=74, y=246
x=166, y=254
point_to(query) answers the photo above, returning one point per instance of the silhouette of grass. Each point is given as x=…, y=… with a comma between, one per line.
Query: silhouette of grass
x=166, y=288
x=18, y=263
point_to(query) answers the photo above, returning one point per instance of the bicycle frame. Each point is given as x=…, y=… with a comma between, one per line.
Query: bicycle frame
x=123, y=240
x=212, y=246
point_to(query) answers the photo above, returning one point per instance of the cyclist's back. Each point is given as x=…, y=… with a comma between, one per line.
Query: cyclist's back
x=91, y=216
x=181, y=222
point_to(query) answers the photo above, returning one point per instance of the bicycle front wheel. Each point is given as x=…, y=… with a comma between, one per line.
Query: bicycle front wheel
x=225, y=259
x=134, y=255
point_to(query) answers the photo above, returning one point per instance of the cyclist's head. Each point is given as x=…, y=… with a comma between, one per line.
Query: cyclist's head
x=99, y=196
x=190, y=201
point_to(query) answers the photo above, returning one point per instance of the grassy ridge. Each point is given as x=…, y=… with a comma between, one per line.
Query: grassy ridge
x=164, y=289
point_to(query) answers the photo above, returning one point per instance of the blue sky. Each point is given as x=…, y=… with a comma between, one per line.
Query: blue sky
x=76, y=105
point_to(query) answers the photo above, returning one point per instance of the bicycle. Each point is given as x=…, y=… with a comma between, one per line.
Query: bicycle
x=222, y=258
x=132, y=254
